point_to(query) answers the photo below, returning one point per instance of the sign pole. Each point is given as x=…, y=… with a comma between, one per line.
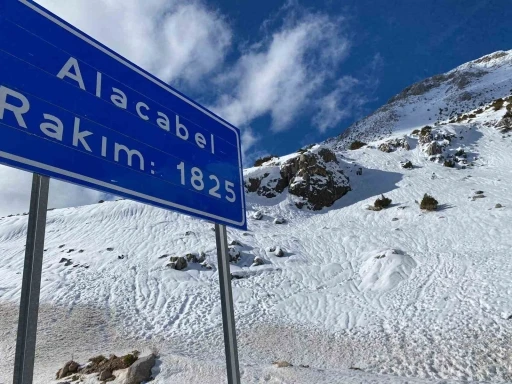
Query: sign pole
x=29, y=306
x=226, y=298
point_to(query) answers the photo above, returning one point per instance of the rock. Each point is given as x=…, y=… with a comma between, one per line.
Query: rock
x=395, y=219
x=179, y=262
x=282, y=364
x=479, y=192
x=498, y=206
x=191, y=258
x=105, y=375
x=201, y=258
x=407, y=165
x=234, y=255
x=279, y=220
x=257, y=215
x=69, y=368
x=433, y=148
x=315, y=176
x=327, y=155
x=257, y=262
x=478, y=197
x=140, y=371
x=385, y=147
x=278, y=251
x=110, y=249
x=206, y=265
x=235, y=242
x=394, y=144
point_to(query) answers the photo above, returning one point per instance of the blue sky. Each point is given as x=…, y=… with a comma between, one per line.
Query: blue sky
x=287, y=73
x=393, y=43
x=292, y=73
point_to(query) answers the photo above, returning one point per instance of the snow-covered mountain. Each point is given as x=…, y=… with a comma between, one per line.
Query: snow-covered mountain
x=438, y=98
x=323, y=279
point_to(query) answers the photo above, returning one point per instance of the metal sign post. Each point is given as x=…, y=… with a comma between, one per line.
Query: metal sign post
x=226, y=299
x=29, y=306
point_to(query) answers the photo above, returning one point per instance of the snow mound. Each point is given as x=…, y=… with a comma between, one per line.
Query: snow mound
x=384, y=270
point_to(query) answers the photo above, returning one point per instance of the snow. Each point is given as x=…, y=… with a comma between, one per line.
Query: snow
x=403, y=295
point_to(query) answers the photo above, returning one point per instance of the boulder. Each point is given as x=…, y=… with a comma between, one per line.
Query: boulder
x=407, y=165
x=279, y=220
x=69, y=368
x=258, y=215
x=201, y=258
x=278, y=251
x=140, y=371
x=257, y=262
x=105, y=375
x=433, y=148
x=179, y=262
x=234, y=254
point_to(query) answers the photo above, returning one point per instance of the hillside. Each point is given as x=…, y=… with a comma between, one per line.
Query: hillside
x=344, y=293
x=438, y=98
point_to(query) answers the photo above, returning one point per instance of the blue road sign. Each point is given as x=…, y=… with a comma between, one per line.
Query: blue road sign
x=72, y=109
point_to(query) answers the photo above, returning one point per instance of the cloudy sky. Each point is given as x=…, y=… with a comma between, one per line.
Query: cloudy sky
x=287, y=73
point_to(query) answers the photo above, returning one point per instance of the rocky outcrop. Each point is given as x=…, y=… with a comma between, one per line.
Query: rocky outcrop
x=315, y=177
x=394, y=144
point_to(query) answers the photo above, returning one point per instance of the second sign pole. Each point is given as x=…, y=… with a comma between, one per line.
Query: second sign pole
x=226, y=298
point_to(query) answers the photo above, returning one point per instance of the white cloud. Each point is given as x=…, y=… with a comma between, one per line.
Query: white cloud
x=348, y=97
x=338, y=104
x=176, y=40
x=15, y=187
x=283, y=75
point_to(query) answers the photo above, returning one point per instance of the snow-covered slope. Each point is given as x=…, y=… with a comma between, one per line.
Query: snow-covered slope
x=354, y=296
x=435, y=99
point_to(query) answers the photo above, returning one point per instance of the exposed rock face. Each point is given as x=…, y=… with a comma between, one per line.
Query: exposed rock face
x=315, y=177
